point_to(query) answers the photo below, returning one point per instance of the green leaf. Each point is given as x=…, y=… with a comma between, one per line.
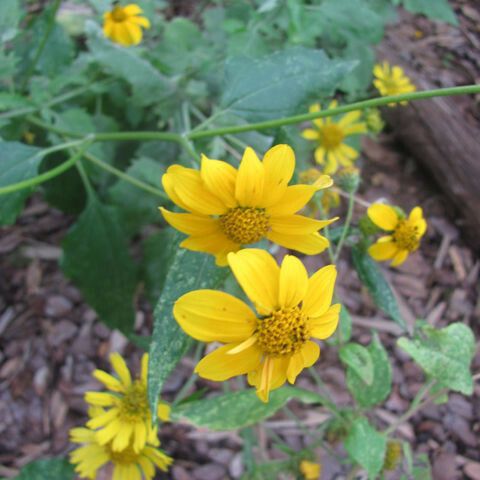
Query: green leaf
x=434, y=9
x=358, y=360
x=372, y=277
x=58, y=52
x=379, y=389
x=189, y=271
x=345, y=324
x=10, y=101
x=18, y=162
x=444, y=354
x=366, y=446
x=10, y=15
x=279, y=84
x=235, y=410
x=51, y=469
x=97, y=260
x=149, y=85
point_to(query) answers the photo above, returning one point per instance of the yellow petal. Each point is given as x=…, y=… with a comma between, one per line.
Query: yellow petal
x=139, y=436
x=332, y=163
x=219, y=177
x=190, y=223
x=132, y=9
x=250, y=180
x=293, y=282
x=323, y=181
x=320, y=155
x=134, y=31
x=122, y=34
x=120, y=367
x=314, y=108
x=323, y=326
x=214, y=243
x=109, y=381
x=305, y=358
x=399, y=258
x=144, y=368
x=100, y=399
x=122, y=438
x=220, y=366
x=310, y=134
x=383, y=250
x=350, y=118
x=348, y=151
x=416, y=214
x=141, y=21
x=320, y=291
x=293, y=200
x=258, y=274
x=163, y=412
x=108, y=27
x=298, y=224
x=309, y=244
x=279, y=165
x=384, y=216
x=104, y=419
x=272, y=375
x=210, y=315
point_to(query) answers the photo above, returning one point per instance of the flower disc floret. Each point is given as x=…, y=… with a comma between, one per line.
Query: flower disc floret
x=133, y=406
x=245, y=225
x=331, y=136
x=406, y=236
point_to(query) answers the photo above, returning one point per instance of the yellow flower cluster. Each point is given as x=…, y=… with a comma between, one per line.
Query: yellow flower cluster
x=123, y=25
x=391, y=81
x=119, y=430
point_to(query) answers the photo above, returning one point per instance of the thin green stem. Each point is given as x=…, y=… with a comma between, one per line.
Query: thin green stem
x=86, y=181
x=186, y=144
x=346, y=226
x=124, y=176
x=182, y=393
x=42, y=44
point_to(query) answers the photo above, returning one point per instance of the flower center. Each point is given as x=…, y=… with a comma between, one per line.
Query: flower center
x=406, y=236
x=331, y=136
x=134, y=404
x=118, y=14
x=125, y=457
x=284, y=332
x=245, y=225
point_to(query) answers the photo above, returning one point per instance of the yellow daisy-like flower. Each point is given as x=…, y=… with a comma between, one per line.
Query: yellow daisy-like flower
x=405, y=233
x=124, y=419
x=330, y=136
x=275, y=345
x=391, y=81
x=123, y=25
x=310, y=470
x=230, y=208
x=127, y=464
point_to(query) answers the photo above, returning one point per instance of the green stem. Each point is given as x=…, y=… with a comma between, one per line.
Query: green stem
x=42, y=44
x=182, y=393
x=86, y=181
x=124, y=176
x=346, y=226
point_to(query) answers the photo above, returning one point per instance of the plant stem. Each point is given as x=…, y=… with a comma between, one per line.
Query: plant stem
x=346, y=226
x=42, y=44
x=182, y=393
x=86, y=181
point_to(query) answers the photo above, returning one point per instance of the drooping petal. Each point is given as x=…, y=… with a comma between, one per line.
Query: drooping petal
x=258, y=274
x=384, y=216
x=272, y=375
x=210, y=315
x=305, y=358
x=323, y=326
x=220, y=366
x=320, y=291
x=190, y=223
x=293, y=282
x=293, y=200
x=220, y=177
x=383, y=251
x=250, y=180
x=309, y=244
x=298, y=224
x=399, y=258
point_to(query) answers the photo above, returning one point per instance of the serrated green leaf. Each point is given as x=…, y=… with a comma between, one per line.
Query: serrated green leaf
x=372, y=277
x=366, y=446
x=235, y=410
x=18, y=162
x=51, y=469
x=358, y=359
x=188, y=271
x=96, y=259
x=444, y=354
x=279, y=84
x=379, y=389
x=434, y=9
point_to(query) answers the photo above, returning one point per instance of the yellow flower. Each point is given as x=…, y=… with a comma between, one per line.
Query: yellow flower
x=229, y=208
x=330, y=137
x=405, y=233
x=391, y=81
x=273, y=346
x=127, y=464
x=310, y=470
x=123, y=25
x=124, y=419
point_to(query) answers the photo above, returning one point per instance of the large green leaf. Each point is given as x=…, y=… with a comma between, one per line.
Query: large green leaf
x=358, y=359
x=444, y=354
x=188, y=271
x=434, y=9
x=18, y=162
x=279, y=84
x=366, y=446
x=51, y=469
x=372, y=277
x=378, y=390
x=10, y=15
x=96, y=258
x=235, y=410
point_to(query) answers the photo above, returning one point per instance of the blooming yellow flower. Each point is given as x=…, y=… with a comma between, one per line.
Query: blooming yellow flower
x=405, y=233
x=330, y=136
x=229, y=208
x=124, y=419
x=310, y=470
x=391, y=81
x=123, y=25
x=127, y=464
x=275, y=345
